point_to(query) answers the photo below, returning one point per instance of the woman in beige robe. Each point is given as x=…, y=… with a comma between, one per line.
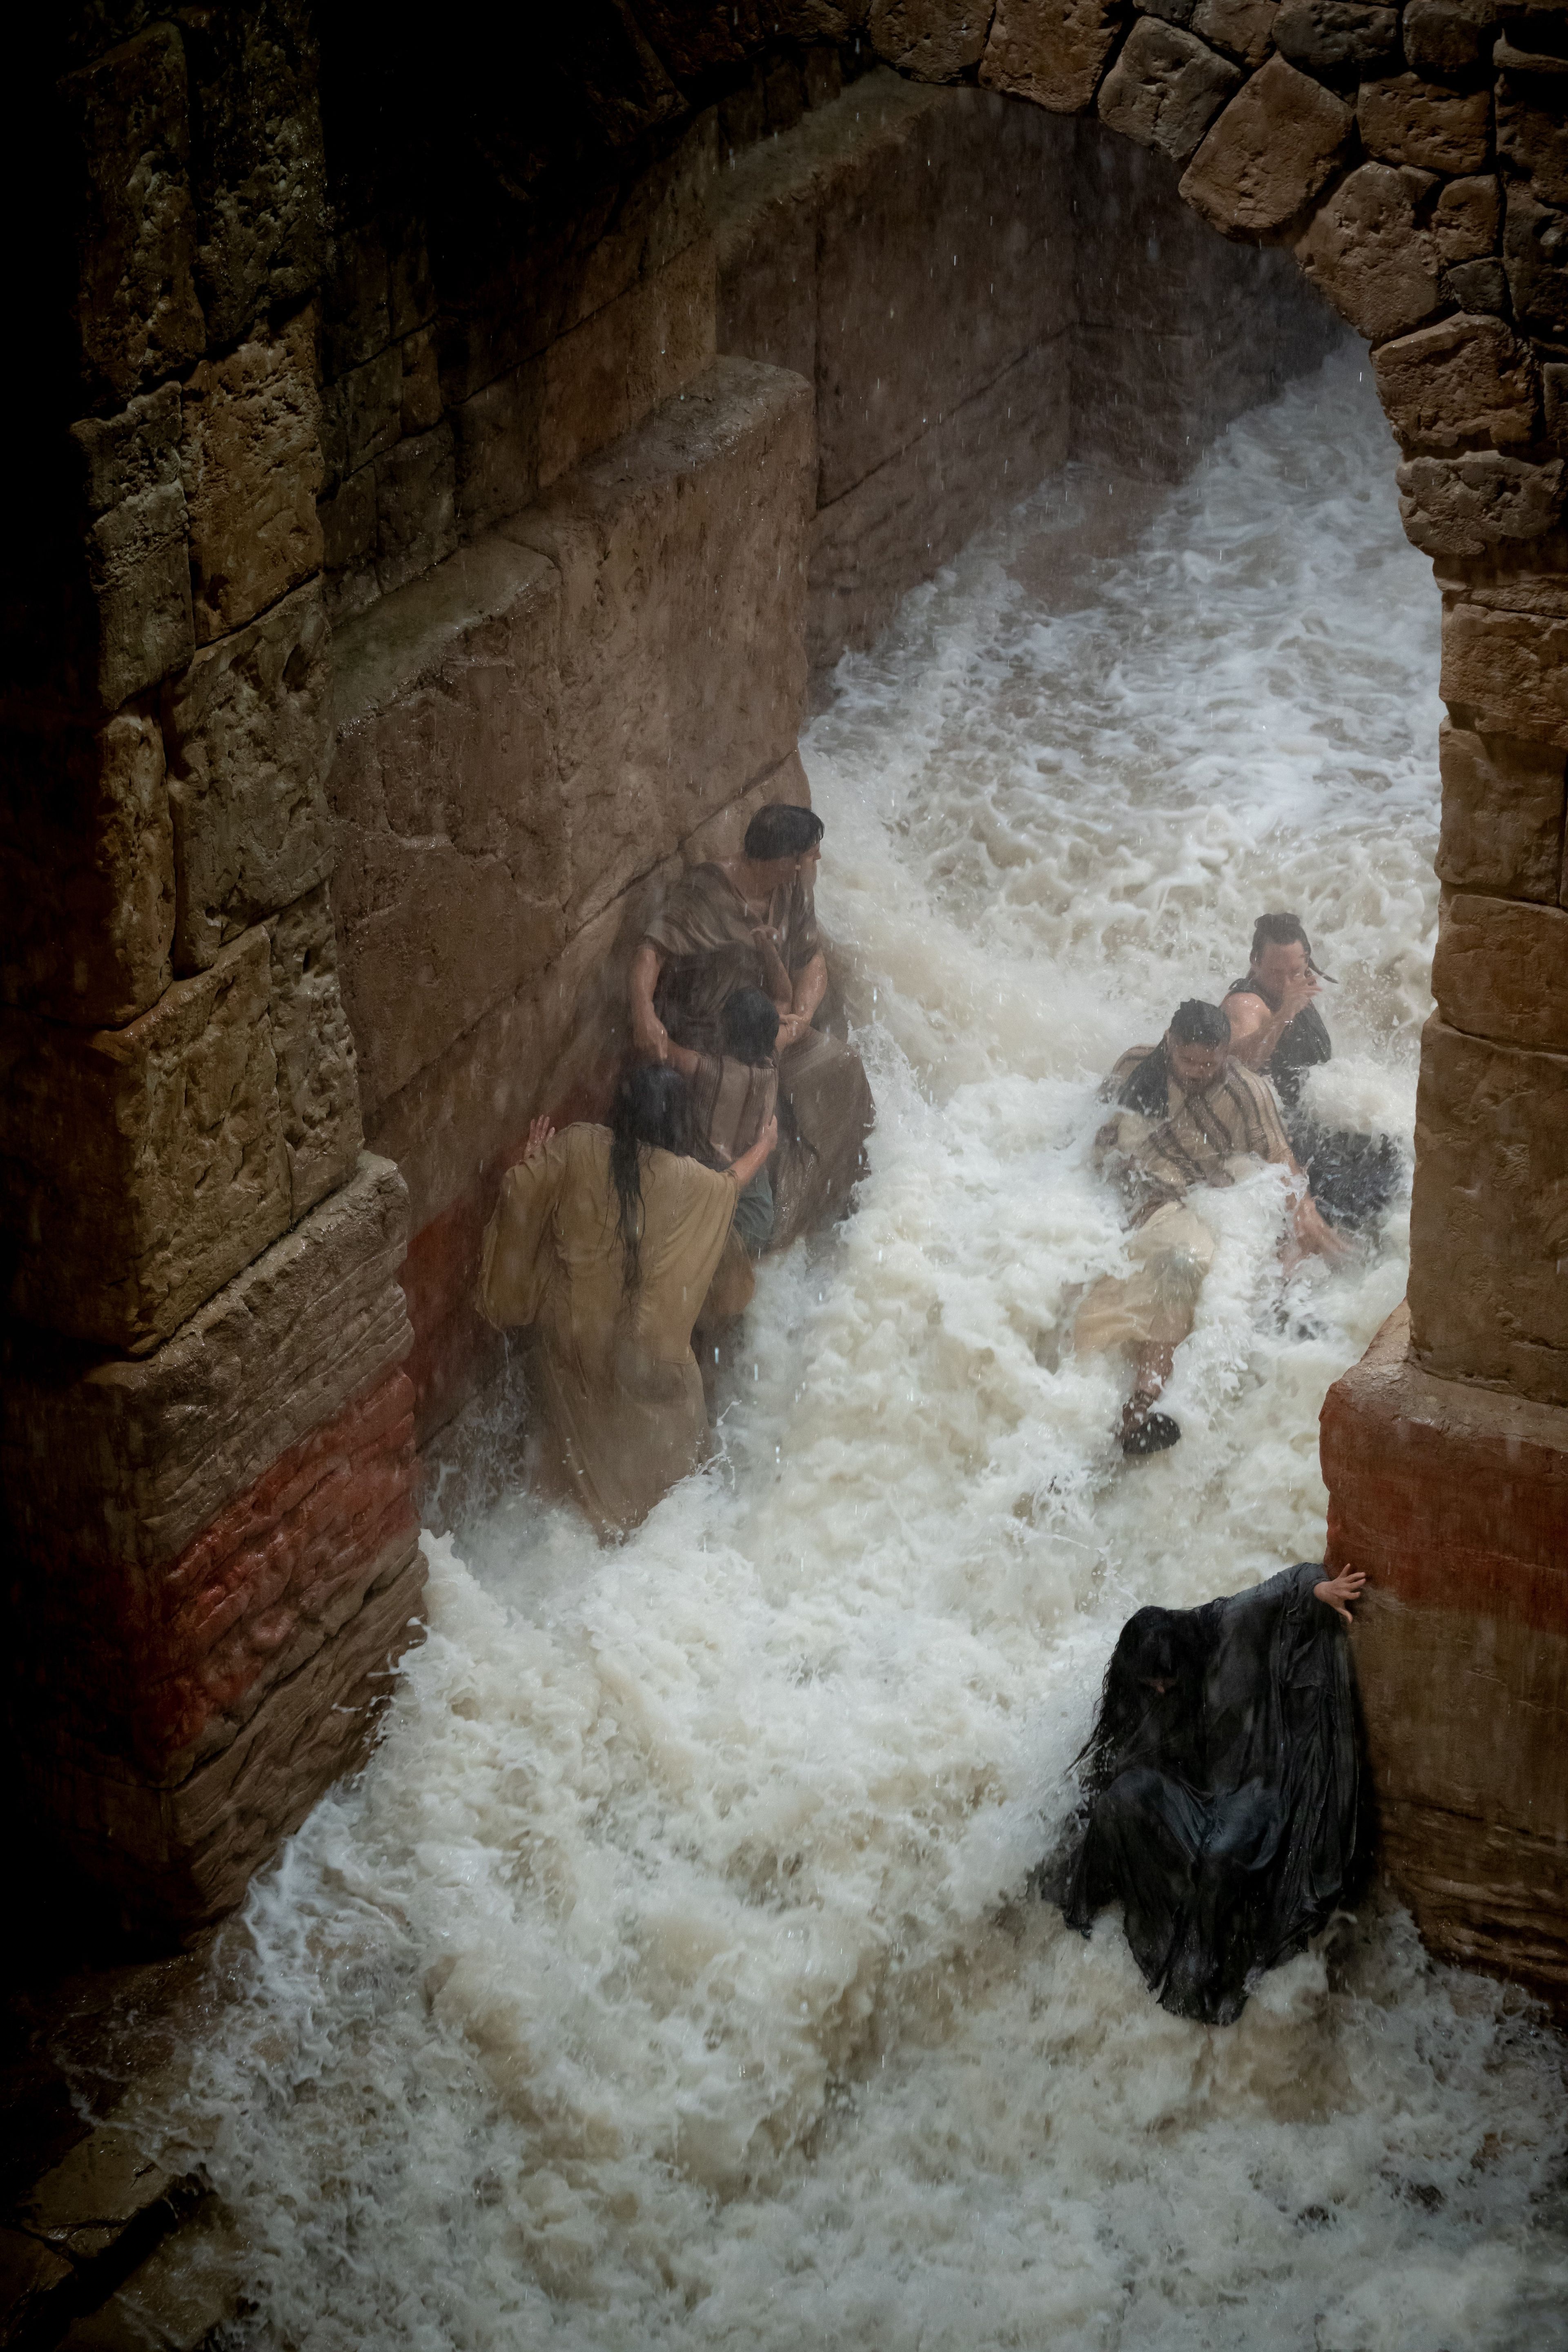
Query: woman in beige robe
x=750, y=923
x=609, y=1277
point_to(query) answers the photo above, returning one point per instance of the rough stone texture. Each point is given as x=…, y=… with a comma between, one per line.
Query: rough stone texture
x=1165, y=88
x=1331, y=35
x=1448, y=39
x=1489, y=1211
x=87, y=870
x=1243, y=28
x=1408, y=121
x=361, y=415
x=1500, y=970
x=1455, y=1502
x=1478, y=286
x=1364, y=250
x=1533, y=134
x=1467, y=219
x=934, y=40
x=1503, y=815
x=252, y=466
x=257, y=167
x=249, y=732
x=137, y=312
x=138, y=566
x=415, y=506
x=1271, y=151
x=951, y=231
x=611, y=371
x=1535, y=252
x=452, y=851
x=680, y=550
x=117, y=1462
x=497, y=449
x=1464, y=506
x=932, y=497
x=1463, y=381
x=141, y=1167
x=1052, y=51
x=1509, y=668
x=318, y=1080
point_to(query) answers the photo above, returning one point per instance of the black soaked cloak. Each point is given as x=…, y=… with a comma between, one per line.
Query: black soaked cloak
x=1223, y=1809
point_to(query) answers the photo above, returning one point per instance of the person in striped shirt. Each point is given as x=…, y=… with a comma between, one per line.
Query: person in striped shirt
x=1184, y=1113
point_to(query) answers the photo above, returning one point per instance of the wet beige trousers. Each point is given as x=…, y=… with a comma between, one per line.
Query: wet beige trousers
x=1154, y=1305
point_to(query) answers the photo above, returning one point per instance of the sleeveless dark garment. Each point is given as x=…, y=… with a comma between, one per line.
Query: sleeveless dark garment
x=1305, y=1043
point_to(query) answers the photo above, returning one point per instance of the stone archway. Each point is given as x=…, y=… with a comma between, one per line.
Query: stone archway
x=347, y=338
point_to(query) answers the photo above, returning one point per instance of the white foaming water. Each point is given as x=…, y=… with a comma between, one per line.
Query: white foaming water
x=670, y=1976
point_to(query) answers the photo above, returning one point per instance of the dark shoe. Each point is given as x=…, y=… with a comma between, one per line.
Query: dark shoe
x=1152, y=1432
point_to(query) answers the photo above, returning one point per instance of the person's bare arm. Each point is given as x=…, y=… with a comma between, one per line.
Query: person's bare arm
x=1337, y=1592
x=810, y=988
x=680, y=1057
x=1255, y=1030
x=751, y=1163
x=775, y=975
x=649, y=1031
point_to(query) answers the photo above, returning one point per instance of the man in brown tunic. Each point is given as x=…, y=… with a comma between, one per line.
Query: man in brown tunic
x=750, y=923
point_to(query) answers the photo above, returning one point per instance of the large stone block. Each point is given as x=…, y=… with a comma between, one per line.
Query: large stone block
x=453, y=838
x=137, y=312
x=1165, y=88
x=1243, y=28
x=496, y=447
x=138, y=563
x=87, y=870
x=1455, y=1503
x=1503, y=815
x=934, y=40
x=1500, y=970
x=607, y=374
x=1270, y=153
x=950, y=233
x=912, y=513
x=1533, y=134
x=1509, y=668
x=1466, y=218
x=249, y=728
x=1535, y=253
x=1335, y=35
x=318, y=1076
x=1408, y=121
x=143, y=1167
x=252, y=467
x=256, y=166
x=1468, y=505
x=681, y=555
x=1488, y=1219
x=362, y=415
x=416, y=505
x=1463, y=381
x=1053, y=51
x=112, y=1462
x=1364, y=250
x=1448, y=39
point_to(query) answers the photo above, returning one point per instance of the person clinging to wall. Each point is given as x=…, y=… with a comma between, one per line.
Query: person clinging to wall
x=603, y=1246
x=1185, y=1114
x=1277, y=1030
x=750, y=923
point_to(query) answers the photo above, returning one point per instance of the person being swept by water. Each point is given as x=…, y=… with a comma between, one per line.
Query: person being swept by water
x=733, y=1095
x=750, y=923
x=1220, y=1789
x=604, y=1243
x=1185, y=1114
x=1277, y=1030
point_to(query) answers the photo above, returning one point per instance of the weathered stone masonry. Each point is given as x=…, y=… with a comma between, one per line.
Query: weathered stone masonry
x=448, y=462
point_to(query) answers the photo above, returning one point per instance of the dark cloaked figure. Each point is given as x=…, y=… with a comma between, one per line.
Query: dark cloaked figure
x=1220, y=1789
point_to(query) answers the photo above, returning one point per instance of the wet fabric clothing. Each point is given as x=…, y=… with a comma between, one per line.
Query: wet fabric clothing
x=1352, y=1177
x=1163, y=1139
x=1156, y=1305
x=1303, y=1043
x=1224, y=1812
x=612, y=1375
x=731, y=1102
x=704, y=937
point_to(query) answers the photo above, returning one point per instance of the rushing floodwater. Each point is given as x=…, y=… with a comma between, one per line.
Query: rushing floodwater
x=667, y=1979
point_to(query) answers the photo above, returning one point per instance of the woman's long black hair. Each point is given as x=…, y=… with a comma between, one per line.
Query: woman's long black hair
x=651, y=1112
x=1156, y=1646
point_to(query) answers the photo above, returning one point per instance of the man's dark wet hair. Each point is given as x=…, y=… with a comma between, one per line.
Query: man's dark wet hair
x=750, y=1023
x=1279, y=931
x=651, y=1112
x=781, y=830
x=1194, y=1023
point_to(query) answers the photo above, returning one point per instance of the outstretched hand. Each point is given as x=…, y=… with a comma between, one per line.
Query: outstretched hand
x=539, y=1135
x=1337, y=1592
